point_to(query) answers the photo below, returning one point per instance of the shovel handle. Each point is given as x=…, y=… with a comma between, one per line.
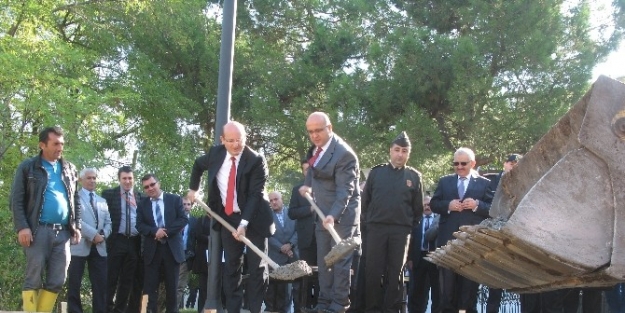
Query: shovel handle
x=330, y=228
x=246, y=241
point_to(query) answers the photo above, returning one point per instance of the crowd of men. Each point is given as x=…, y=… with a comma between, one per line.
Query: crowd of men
x=131, y=240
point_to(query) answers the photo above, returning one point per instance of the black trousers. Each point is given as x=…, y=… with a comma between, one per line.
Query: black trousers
x=256, y=284
x=164, y=263
x=386, y=251
x=125, y=276
x=423, y=278
x=457, y=292
x=97, y=276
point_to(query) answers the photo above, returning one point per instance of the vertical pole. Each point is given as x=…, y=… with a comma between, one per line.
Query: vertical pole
x=226, y=57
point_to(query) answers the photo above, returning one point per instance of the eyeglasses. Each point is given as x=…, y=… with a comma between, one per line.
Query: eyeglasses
x=146, y=187
x=317, y=131
x=231, y=141
x=460, y=163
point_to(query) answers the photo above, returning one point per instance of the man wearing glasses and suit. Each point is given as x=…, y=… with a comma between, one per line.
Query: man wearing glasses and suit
x=461, y=199
x=236, y=191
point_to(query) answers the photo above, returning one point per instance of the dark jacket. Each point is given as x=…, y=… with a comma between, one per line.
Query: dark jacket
x=27, y=192
x=252, y=173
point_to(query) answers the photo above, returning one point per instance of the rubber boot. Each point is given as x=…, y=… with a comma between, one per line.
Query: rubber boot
x=29, y=300
x=46, y=301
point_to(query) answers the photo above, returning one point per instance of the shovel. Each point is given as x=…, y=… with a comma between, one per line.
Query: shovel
x=343, y=247
x=289, y=271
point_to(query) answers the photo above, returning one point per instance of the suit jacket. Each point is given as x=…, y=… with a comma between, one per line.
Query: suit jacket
x=334, y=182
x=446, y=191
x=175, y=220
x=282, y=235
x=414, y=249
x=300, y=210
x=114, y=202
x=252, y=175
x=89, y=226
x=189, y=249
x=202, y=229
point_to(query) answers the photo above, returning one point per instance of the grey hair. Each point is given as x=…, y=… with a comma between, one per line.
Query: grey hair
x=466, y=151
x=86, y=170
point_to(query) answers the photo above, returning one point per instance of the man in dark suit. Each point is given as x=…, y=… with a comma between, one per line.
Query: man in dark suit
x=332, y=179
x=300, y=210
x=282, y=250
x=160, y=220
x=125, y=273
x=461, y=199
x=188, y=240
x=236, y=191
x=423, y=274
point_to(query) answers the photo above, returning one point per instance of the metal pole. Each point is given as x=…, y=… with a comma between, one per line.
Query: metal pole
x=226, y=57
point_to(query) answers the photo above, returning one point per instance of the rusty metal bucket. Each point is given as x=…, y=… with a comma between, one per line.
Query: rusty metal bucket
x=558, y=218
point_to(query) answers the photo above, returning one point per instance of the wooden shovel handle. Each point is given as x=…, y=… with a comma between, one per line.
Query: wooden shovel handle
x=246, y=241
x=330, y=228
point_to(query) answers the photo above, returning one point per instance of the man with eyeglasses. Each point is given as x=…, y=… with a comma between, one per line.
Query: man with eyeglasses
x=125, y=268
x=461, y=199
x=333, y=181
x=160, y=220
x=237, y=176
x=188, y=241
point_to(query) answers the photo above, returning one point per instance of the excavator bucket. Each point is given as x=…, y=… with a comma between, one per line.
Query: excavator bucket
x=558, y=218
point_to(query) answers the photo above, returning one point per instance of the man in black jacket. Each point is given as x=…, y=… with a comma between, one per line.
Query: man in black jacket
x=125, y=269
x=46, y=213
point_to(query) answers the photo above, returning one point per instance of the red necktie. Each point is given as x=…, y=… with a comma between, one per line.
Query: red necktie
x=231, y=185
x=312, y=160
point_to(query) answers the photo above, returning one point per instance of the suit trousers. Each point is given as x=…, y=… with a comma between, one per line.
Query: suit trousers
x=97, y=276
x=423, y=281
x=387, y=246
x=334, y=282
x=256, y=284
x=183, y=282
x=163, y=263
x=457, y=292
x=48, y=252
x=124, y=274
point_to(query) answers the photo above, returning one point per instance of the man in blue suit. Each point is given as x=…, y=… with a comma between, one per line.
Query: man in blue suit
x=461, y=199
x=160, y=220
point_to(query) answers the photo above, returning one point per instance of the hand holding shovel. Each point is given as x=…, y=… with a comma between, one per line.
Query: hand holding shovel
x=343, y=247
x=289, y=271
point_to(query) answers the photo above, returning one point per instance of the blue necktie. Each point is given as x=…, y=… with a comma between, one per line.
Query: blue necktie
x=461, y=186
x=159, y=217
x=426, y=246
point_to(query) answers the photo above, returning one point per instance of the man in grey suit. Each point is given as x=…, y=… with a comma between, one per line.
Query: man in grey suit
x=461, y=199
x=282, y=250
x=332, y=179
x=91, y=249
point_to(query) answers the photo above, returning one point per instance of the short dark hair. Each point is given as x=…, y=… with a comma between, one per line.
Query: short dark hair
x=148, y=176
x=123, y=169
x=45, y=133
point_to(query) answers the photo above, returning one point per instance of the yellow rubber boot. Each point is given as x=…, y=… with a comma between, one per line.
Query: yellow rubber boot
x=29, y=300
x=46, y=301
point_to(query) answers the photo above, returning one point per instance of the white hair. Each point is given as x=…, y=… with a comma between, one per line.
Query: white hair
x=466, y=151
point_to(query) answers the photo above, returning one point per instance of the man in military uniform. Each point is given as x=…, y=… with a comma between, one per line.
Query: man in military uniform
x=392, y=204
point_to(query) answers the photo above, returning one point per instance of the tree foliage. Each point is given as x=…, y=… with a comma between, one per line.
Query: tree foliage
x=135, y=82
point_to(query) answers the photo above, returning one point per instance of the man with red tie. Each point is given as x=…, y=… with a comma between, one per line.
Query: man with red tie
x=236, y=191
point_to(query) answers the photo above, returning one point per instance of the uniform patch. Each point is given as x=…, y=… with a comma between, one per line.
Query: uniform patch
x=409, y=183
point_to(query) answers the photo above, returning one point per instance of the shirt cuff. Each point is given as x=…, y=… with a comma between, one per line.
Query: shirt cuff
x=244, y=223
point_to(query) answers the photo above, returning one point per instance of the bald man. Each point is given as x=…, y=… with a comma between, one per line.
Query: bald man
x=236, y=191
